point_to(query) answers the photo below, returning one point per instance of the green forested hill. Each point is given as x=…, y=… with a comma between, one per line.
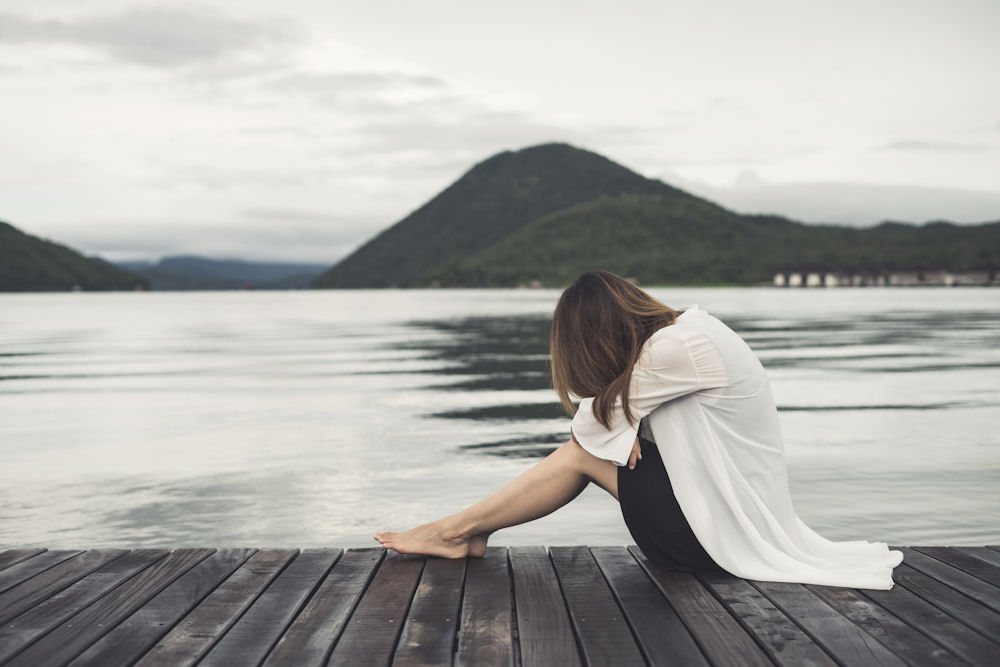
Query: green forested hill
x=660, y=241
x=493, y=199
x=549, y=212
x=31, y=264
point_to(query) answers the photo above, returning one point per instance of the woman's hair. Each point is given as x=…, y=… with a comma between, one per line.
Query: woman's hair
x=598, y=329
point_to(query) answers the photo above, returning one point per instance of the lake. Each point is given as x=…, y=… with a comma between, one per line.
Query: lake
x=314, y=418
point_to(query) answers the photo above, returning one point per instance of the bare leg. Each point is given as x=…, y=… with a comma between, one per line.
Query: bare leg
x=539, y=490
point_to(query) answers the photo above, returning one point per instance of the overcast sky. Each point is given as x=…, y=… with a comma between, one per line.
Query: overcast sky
x=295, y=130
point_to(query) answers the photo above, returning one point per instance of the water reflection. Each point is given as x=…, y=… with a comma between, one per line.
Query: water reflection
x=503, y=356
x=502, y=353
x=495, y=354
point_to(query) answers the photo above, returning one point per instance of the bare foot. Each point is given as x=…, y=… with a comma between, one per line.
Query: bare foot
x=433, y=540
x=477, y=545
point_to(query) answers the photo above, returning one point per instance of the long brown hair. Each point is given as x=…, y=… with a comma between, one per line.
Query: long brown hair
x=598, y=330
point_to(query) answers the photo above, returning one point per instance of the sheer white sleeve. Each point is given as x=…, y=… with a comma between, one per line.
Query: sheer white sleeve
x=673, y=363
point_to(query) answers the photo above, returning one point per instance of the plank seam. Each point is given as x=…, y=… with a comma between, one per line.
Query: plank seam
x=951, y=565
x=904, y=622
x=7, y=587
x=350, y=613
x=942, y=609
x=298, y=610
x=461, y=607
x=229, y=626
x=159, y=588
x=768, y=651
x=97, y=599
x=25, y=557
x=191, y=608
x=569, y=612
x=621, y=607
x=811, y=636
x=406, y=612
x=515, y=631
x=162, y=588
x=680, y=616
x=64, y=584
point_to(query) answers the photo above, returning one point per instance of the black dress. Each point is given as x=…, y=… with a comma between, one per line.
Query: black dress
x=654, y=518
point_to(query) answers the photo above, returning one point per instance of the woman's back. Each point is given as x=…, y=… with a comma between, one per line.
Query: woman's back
x=722, y=447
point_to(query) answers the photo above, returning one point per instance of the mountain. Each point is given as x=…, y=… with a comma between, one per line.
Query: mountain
x=31, y=264
x=663, y=242
x=491, y=201
x=546, y=213
x=189, y=272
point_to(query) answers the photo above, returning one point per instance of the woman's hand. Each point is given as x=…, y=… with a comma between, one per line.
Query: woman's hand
x=636, y=454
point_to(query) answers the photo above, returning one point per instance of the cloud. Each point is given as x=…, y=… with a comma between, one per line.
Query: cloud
x=291, y=214
x=481, y=133
x=175, y=175
x=155, y=36
x=366, y=93
x=337, y=83
x=921, y=145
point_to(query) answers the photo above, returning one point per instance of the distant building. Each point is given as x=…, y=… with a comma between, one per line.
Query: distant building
x=875, y=277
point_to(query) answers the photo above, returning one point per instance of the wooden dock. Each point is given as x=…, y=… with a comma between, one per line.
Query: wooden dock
x=517, y=606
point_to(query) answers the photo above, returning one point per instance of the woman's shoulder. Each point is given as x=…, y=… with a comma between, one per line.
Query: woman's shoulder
x=695, y=335
x=666, y=344
x=683, y=330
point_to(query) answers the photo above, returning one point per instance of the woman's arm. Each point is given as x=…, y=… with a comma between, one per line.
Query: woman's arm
x=666, y=370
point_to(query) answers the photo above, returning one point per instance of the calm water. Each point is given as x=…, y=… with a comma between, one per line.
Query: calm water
x=315, y=418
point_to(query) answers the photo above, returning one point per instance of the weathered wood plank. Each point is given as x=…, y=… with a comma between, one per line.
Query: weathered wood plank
x=429, y=631
x=784, y=641
x=984, y=554
x=719, y=635
x=841, y=638
x=45, y=584
x=127, y=641
x=250, y=639
x=371, y=634
x=88, y=625
x=968, y=561
x=31, y=624
x=9, y=557
x=658, y=629
x=484, y=634
x=545, y=631
x=311, y=636
x=972, y=586
x=24, y=570
x=572, y=604
x=604, y=635
x=202, y=627
x=910, y=644
x=939, y=626
x=949, y=600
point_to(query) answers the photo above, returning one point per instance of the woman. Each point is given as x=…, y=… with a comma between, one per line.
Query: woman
x=678, y=424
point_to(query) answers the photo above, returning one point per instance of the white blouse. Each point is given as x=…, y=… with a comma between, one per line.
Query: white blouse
x=704, y=399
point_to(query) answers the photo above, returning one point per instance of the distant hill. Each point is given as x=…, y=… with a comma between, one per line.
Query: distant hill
x=491, y=201
x=31, y=264
x=662, y=242
x=548, y=212
x=189, y=272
